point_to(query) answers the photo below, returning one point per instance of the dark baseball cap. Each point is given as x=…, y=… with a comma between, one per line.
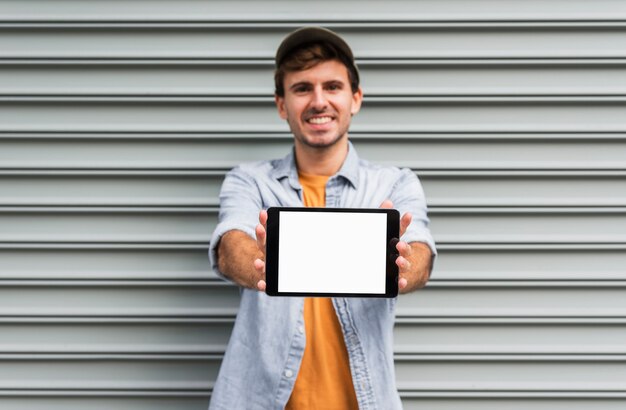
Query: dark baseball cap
x=314, y=34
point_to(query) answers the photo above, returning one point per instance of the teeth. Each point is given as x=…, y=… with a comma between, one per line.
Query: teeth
x=320, y=120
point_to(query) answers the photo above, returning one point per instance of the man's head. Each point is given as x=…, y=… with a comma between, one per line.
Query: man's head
x=307, y=47
x=317, y=86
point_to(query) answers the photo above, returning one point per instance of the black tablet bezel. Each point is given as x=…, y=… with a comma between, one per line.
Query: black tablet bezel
x=272, y=257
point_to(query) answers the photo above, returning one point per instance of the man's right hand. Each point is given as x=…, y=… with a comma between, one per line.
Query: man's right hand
x=261, y=236
x=242, y=258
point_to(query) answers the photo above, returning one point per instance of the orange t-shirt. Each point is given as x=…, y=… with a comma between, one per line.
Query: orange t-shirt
x=324, y=381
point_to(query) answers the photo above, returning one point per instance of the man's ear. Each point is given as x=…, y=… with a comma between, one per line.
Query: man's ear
x=280, y=105
x=357, y=99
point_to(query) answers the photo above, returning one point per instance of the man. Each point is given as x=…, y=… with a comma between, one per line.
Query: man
x=313, y=353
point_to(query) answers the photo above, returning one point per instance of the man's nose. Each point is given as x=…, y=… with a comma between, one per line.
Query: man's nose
x=318, y=99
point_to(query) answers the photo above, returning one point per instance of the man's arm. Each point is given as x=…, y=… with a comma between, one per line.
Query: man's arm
x=241, y=258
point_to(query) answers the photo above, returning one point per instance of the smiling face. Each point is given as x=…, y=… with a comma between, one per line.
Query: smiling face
x=318, y=104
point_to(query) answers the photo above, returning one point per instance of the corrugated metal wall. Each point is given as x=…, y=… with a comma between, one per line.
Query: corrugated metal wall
x=118, y=120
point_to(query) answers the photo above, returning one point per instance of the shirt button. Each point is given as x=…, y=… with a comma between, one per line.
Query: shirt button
x=288, y=373
x=301, y=329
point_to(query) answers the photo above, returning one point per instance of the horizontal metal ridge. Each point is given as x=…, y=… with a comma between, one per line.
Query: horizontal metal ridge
x=613, y=358
x=464, y=59
x=362, y=62
x=115, y=320
x=95, y=393
x=117, y=283
x=526, y=210
x=105, y=246
x=204, y=246
x=192, y=204
x=397, y=357
x=132, y=275
x=214, y=282
x=434, y=348
x=112, y=172
x=181, y=202
x=107, y=356
x=516, y=173
x=196, y=242
x=417, y=166
x=126, y=349
x=124, y=209
x=525, y=283
x=253, y=60
x=404, y=393
x=456, y=173
x=488, y=314
x=354, y=136
x=179, y=136
x=400, y=319
x=529, y=246
x=269, y=100
x=278, y=25
x=511, y=357
x=70, y=313
x=591, y=394
x=416, y=320
x=440, y=96
x=208, y=61
x=444, y=210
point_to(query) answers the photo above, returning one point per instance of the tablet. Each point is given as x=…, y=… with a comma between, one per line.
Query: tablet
x=341, y=252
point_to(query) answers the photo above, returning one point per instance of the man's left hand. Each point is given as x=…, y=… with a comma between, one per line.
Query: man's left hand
x=413, y=259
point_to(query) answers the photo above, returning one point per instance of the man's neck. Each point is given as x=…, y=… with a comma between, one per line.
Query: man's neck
x=321, y=161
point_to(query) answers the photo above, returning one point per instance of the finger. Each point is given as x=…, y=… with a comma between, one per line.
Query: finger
x=263, y=218
x=261, y=285
x=404, y=249
x=387, y=204
x=405, y=221
x=260, y=237
x=403, y=264
x=402, y=283
x=259, y=266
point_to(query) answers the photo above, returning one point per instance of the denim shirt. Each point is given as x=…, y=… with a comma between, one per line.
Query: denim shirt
x=265, y=350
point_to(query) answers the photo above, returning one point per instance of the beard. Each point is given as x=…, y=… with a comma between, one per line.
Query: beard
x=323, y=140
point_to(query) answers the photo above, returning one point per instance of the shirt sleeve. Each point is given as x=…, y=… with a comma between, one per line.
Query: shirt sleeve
x=408, y=196
x=240, y=203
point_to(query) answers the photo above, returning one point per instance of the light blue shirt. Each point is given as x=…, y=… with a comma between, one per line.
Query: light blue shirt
x=265, y=350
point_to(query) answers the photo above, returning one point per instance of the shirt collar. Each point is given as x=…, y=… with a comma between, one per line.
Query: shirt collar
x=286, y=168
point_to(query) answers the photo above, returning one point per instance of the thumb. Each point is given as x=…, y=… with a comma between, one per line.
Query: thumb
x=387, y=204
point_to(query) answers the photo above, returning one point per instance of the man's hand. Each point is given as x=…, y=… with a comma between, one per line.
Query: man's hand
x=261, y=236
x=413, y=259
x=241, y=258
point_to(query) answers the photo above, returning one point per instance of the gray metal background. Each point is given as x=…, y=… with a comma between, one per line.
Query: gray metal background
x=118, y=120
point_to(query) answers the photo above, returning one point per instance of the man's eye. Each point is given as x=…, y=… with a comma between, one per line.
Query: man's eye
x=301, y=89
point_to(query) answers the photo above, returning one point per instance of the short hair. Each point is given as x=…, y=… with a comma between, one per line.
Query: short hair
x=308, y=56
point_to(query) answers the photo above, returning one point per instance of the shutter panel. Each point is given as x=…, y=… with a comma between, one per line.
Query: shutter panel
x=119, y=122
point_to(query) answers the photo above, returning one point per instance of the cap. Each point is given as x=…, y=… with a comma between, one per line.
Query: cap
x=313, y=34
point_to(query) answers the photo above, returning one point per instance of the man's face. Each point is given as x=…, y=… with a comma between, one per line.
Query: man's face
x=319, y=104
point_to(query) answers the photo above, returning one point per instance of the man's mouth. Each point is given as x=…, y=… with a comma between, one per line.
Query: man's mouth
x=319, y=120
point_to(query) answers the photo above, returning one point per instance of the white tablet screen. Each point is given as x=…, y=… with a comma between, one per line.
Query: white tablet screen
x=332, y=252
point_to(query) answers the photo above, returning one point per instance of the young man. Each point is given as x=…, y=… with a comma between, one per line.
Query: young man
x=313, y=353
